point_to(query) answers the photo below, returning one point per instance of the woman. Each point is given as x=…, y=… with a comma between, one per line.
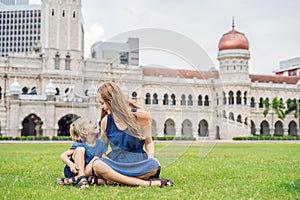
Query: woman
x=127, y=128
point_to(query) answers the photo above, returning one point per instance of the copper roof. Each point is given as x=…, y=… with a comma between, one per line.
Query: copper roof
x=172, y=73
x=275, y=79
x=233, y=40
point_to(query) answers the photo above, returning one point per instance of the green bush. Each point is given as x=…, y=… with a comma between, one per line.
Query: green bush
x=59, y=138
x=6, y=138
x=266, y=137
x=31, y=137
x=172, y=137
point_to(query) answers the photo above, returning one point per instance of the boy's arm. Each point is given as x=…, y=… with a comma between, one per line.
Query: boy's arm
x=65, y=158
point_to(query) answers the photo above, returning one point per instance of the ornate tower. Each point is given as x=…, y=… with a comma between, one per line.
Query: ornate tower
x=233, y=56
x=234, y=86
x=62, y=34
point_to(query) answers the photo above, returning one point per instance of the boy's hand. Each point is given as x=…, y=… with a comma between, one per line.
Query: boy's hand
x=74, y=168
x=104, y=156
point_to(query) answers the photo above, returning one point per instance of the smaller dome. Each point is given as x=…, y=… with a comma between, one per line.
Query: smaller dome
x=92, y=90
x=233, y=40
x=50, y=88
x=15, y=87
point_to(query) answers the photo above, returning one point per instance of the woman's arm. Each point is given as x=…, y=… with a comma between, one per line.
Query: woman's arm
x=103, y=130
x=149, y=145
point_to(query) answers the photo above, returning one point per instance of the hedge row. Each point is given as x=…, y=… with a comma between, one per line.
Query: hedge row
x=38, y=138
x=266, y=137
x=171, y=137
x=63, y=138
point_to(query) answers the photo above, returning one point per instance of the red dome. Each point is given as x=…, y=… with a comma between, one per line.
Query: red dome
x=233, y=40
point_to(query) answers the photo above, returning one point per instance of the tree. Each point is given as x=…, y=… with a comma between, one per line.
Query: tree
x=276, y=105
x=293, y=105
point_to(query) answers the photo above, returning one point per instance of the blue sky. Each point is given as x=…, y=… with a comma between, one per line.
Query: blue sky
x=272, y=27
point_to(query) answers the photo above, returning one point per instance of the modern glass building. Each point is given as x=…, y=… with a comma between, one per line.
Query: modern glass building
x=20, y=27
x=14, y=2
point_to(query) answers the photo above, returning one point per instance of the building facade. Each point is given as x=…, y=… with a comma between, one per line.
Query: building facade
x=42, y=91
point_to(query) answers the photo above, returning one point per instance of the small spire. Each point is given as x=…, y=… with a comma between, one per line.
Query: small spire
x=232, y=23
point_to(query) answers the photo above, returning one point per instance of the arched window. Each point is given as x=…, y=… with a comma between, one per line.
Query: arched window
x=230, y=98
x=267, y=105
x=239, y=119
x=252, y=103
x=238, y=97
x=154, y=100
x=57, y=91
x=148, y=99
x=206, y=101
x=63, y=13
x=224, y=98
x=183, y=101
x=200, y=101
x=245, y=98
x=190, y=100
x=25, y=90
x=68, y=62
x=260, y=105
x=33, y=91
x=52, y=12
x=74, y=14
x=224, y=114
x=0, y=93
x=231, y=116
x=166, y=99
x=57, y=61
x=217, y=97
x=134, y=95
x=246, y=121
x=173, y=99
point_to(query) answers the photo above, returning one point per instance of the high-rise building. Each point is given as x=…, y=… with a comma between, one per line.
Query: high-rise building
x=289, y=67
x=117, y=53
x=20, y=28
x=14, y=2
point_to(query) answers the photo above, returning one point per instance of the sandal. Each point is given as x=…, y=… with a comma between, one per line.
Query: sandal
x=166, y=182
x=163, y=182
x=66, y=181
x=82, y=182
x=97, y=181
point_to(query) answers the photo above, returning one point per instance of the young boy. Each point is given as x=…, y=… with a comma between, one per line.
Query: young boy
x=82, y=153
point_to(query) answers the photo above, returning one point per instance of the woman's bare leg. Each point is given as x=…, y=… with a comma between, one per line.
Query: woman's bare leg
x=148, y=175
x=102, y=169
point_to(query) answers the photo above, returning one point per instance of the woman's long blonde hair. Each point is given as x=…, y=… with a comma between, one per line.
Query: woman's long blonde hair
x=77, y=132
x=120, y=107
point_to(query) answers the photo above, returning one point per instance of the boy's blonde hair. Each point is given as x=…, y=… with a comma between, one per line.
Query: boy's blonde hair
x=77, y=131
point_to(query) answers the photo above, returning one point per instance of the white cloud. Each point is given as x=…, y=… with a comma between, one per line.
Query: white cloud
x=94, y=33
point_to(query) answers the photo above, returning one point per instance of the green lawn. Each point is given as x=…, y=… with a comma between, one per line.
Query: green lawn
x=241, y=171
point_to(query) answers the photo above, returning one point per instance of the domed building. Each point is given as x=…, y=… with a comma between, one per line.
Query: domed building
x=42, y=92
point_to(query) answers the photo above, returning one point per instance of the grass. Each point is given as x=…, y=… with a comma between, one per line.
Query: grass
x=239, y=171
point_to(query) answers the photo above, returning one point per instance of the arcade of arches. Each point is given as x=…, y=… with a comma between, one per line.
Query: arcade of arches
x=32, y=126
